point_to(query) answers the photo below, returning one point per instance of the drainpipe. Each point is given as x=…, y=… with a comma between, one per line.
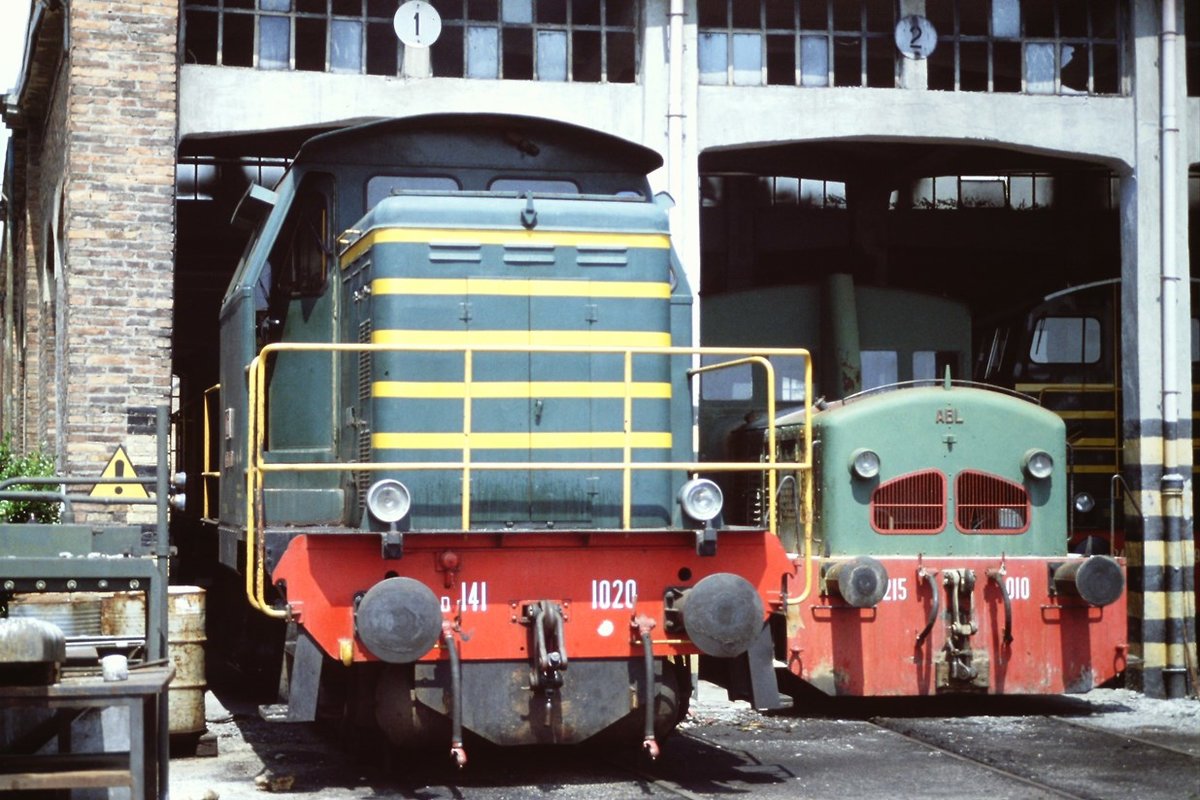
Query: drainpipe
x=1174, y=673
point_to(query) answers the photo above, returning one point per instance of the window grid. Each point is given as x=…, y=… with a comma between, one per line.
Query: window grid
x=1010, y=46
x=356, y=36
x=200, y=177
x=862, y=28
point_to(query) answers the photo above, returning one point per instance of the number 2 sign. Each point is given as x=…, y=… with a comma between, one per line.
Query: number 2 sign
x=417, y=23
x=915, y=37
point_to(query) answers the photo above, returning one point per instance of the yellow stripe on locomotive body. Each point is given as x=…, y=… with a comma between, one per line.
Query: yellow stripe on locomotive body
x=520, y=287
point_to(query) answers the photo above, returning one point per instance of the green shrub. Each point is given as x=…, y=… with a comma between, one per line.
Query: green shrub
x=36, y=464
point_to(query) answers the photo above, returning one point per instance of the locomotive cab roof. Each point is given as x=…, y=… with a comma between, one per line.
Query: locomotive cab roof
x=479, y=141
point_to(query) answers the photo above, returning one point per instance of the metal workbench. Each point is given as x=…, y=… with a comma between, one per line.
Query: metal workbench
x=72, y=557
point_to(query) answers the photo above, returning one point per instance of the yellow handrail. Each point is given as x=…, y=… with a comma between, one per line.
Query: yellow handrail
x=257, y=466
x=207, y=474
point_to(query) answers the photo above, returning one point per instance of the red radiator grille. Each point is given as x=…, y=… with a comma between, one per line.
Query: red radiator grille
x=990, y=504
x=913, y=503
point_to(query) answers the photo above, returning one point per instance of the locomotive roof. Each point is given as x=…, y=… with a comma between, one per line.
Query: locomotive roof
x=479, y=140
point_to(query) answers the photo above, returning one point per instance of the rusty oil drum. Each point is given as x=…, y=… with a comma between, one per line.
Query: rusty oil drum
x=125, y=615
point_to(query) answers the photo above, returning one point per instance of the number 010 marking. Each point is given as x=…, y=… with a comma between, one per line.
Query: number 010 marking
x=614, y=594
x=1017, y=587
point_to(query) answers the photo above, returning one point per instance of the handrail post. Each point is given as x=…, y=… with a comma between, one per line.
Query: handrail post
x=468, y=377
x=627, y=469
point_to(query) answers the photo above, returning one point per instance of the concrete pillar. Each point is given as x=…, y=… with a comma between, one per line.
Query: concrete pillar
x=914, y=73
x=1157, y=455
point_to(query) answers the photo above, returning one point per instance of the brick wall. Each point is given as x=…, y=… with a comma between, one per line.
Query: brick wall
x=118, y=228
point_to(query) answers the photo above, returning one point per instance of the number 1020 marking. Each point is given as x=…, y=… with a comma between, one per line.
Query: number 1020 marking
x=614, y=594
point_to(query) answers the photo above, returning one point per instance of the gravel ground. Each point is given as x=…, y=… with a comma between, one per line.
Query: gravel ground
x=256, y=757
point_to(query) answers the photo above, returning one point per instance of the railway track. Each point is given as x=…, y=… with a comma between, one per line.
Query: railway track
x=1036, y=752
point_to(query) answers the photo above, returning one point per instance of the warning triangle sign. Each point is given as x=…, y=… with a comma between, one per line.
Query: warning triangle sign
x=119, y=466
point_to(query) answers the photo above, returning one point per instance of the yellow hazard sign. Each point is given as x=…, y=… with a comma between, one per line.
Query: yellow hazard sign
x=119, y=466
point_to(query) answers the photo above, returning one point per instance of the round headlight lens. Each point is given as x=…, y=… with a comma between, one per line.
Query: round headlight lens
x=1084, y=502
x=701, y=499
x=1038, y=464
x=864, y=463
x=388, y=500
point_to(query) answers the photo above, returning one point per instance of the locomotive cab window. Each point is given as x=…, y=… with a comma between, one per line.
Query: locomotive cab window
x=1065, y=340
x=382, y=186
x=746, y=382
x=930, y=365
x=535, y=185
x=299, y=263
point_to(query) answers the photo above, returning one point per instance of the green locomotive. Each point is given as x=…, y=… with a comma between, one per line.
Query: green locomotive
x=455, y=446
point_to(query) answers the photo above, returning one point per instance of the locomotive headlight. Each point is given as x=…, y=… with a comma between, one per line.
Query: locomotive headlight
x=1038, y=464
x=701, y=499
x=864, y=463
x=1084, y=502
x=388, y=500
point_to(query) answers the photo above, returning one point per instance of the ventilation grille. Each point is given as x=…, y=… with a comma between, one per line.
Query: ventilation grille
x=363, y=423
x=913, y=503
x=990, y=504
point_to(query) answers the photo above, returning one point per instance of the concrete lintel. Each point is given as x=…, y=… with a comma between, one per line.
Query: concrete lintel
x=1097, y=129
x=258, y=101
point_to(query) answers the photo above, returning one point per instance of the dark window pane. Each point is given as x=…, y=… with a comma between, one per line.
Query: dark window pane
x=193, y=3
x=483, y=9
x=447, y=54
x=314, y=6
x=1193, y=75
x=712, y=13
x=941, y=14
x=622, y=58
x=941, y=67
x=847, y=15
x=880, y=16
x=620, y=13
x=381, y=48
x=551, y=11
x=973, y=18
x=585, y=56
x=1072, y=18
x=972, y=66
x=585, y=12
x=382, y=8
x=881, y=63
x=200, y=40
x=310, y=44
x=447, y=9
x=814, y=15
x=347, y=8
x=781, y=13
x=239, y=3
x=238, y=44
x=781, y=60
x=847, y=61
x=1038, y=16
x=1106, y=14
x=746, y=15
x=518, y=53
x=1074, y=70
x=1006, y=66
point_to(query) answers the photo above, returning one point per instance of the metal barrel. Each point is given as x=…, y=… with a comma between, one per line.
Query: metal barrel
x=125, y=615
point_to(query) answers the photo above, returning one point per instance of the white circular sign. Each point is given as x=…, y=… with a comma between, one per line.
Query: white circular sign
x=916, y=37
x=417, y=23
